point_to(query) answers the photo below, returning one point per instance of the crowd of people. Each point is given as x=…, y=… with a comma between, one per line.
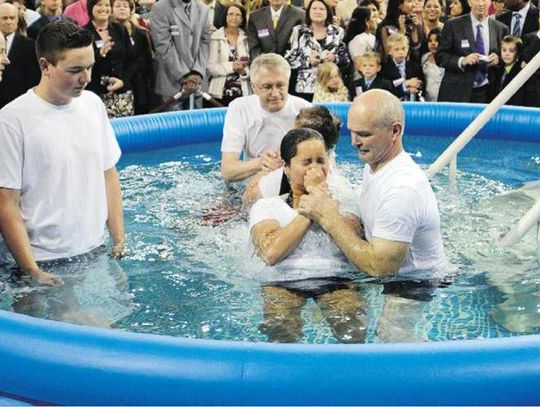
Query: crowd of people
x=276, y=146
x=147, y=51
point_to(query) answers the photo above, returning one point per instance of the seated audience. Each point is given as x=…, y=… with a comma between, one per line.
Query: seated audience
x=313, y=43
x=23, y=72
x=432, y=73
x=458, y=8
x=49, y=10
x=399, y=19
x=433, y=12
x=359, y=38
x=406, y=76
x=329, y=86
x=503, y=75
x=114, y=66
x=142, y=81
x=369, y=66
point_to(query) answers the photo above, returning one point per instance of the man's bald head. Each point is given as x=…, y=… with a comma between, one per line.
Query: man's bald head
x=383, y=107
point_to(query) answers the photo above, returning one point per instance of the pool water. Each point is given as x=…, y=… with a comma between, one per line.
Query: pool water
x=190, y=272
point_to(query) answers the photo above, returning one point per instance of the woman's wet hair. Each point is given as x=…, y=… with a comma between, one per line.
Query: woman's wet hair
x=289, y=144
x=56, y=38
x=289, y=149
x=319, y=118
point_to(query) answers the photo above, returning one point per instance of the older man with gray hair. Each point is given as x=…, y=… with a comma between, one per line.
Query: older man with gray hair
x=255, y=124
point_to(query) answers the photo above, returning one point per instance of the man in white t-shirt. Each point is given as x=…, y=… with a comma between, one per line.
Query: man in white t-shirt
x=58, y=181
x=403, y=243
x=397, y=205
x=254, y=125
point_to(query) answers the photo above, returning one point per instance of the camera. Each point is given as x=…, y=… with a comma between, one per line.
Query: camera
x=105, y=80
x=409, y=22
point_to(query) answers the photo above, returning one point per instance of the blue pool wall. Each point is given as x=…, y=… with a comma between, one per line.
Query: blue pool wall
x=48, y=362
x=428, y=119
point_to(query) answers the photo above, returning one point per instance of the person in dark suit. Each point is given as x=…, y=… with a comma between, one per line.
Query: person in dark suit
x=521, y=17
x=4, y=60
x=469, y=58
x=142, y=79
x=510, y=55
x=23, y=72
x=270, y=28
x=406, y=75
x=369, y=65
x=531, y=47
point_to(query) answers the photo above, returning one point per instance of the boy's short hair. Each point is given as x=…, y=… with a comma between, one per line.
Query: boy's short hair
x=56, y=38
x=513, y=39
x=370, y=55
x=397, y=38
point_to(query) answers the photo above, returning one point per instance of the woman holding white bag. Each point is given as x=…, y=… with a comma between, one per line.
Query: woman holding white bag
x=229, y=58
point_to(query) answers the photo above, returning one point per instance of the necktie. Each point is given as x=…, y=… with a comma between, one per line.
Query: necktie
x=517, y=25
x=401, y=68
x=482, y=66
x=187, y=9
x=275, y=19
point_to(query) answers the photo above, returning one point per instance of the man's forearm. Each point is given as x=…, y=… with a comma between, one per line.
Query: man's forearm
x=15, y=235
x=238, y=170
x=115, y=213
x=357, y=250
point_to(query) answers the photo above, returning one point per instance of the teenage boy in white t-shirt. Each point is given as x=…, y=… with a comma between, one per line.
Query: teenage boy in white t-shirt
x=58, y=181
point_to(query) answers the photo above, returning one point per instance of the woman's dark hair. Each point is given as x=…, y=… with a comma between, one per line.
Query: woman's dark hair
x=329, y=12
x=365, y=3
x=436, y=32
x=289, y=144
x=90, y=6
x=357, y=23
x=465, y=8
x=58, y=37
x=289, y=148
x=242, y=11
x=392, y=13
x=319, y=118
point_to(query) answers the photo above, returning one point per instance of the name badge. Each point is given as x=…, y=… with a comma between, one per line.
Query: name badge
x=465, y=44
x=99, y=44
x=263, y=32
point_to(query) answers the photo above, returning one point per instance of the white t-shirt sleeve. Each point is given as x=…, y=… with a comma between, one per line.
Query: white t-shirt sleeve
x=270, y=184
x=271, y=208
x=11, y=156
x=234, y=137
x=111, y=149
x=397, y=216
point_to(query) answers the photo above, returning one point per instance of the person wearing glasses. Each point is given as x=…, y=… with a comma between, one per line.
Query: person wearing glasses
x=255, y=124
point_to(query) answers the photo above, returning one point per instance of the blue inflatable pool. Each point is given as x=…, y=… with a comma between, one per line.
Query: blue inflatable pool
x=46, y=362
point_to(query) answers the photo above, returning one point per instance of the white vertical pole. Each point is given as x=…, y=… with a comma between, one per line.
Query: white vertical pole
x=476, y=125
